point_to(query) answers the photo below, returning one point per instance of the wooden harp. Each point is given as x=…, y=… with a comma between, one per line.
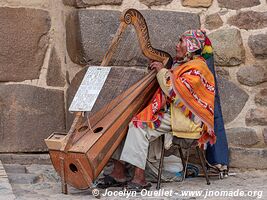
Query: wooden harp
x=80, y=155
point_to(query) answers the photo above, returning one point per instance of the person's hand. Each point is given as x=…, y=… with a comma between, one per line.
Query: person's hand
x=156, y=65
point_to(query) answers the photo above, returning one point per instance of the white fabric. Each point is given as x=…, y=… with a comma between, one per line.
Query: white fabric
x=135, y=150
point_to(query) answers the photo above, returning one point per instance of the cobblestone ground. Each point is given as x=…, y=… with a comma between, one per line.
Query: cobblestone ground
x=36, y=181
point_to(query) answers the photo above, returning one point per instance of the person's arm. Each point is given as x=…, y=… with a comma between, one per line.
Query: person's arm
x=163, y=77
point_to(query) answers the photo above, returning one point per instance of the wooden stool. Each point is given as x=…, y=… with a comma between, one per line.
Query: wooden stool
x=200, y=153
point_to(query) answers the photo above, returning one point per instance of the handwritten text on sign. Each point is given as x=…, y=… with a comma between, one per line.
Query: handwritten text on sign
x=89, y=89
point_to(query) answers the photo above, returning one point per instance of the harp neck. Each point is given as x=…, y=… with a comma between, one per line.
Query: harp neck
x=134, y=17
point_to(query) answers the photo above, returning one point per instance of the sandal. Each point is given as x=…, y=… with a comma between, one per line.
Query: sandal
x=109, y=181
x=137, y=187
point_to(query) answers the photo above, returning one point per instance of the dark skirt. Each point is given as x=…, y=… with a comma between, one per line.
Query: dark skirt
x=219, y=152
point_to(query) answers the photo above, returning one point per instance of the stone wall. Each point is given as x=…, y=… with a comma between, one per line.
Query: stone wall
x=44, y=44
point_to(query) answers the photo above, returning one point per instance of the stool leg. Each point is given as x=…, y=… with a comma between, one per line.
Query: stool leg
x=182, y=157
x=160, y=163
x=186, y=163
x=201, y=157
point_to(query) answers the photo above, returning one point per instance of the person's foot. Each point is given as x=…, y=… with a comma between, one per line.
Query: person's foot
x=118, y=172
x=221, y=167
x=109, y=181
x=137, y=187
x=139, y=176
x=117, y=177
x=138, y=182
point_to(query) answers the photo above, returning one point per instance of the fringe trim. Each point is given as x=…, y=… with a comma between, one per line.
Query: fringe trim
x=154, y=124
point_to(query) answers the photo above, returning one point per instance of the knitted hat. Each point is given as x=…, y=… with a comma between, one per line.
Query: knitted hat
x=197, y=40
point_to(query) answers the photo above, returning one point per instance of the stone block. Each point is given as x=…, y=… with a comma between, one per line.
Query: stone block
x=25, y=159
x=23, y=41
x=23, y=178
x=88, y=3
x=237, y=4
x=242, y=136
x=213, y=21
x=264, y=133
x=155, y=2
x=241, y=157
x=47, y=172
x=15, y=168
x=233, y=99
x=118, y=80
x=261, y=97
x=222, y=72
x=258, y=45
x=29, y=114
x=5, y=187
x=54, y=74
x=257, y=116
x=228, y=47
x=87, y=30
x=197, y=3
x=252, y=75
x=249, y=20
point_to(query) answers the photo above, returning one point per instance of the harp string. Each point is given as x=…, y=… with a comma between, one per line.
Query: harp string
x=134, y=17
x=119, y=54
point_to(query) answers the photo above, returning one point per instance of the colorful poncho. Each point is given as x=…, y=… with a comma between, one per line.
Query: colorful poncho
x=193, y=84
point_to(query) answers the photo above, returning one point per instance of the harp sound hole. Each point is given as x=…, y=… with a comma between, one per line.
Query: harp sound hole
x=98, y=129
x=83, y=128
x=73, y=168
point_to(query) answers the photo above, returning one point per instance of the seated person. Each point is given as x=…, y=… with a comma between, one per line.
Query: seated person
x=183, y=106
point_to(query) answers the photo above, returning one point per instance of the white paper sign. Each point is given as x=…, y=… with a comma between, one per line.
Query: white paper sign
x=89, y=89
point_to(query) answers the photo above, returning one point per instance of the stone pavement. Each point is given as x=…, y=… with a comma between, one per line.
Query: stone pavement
x=5, y=187
x=36, y=181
